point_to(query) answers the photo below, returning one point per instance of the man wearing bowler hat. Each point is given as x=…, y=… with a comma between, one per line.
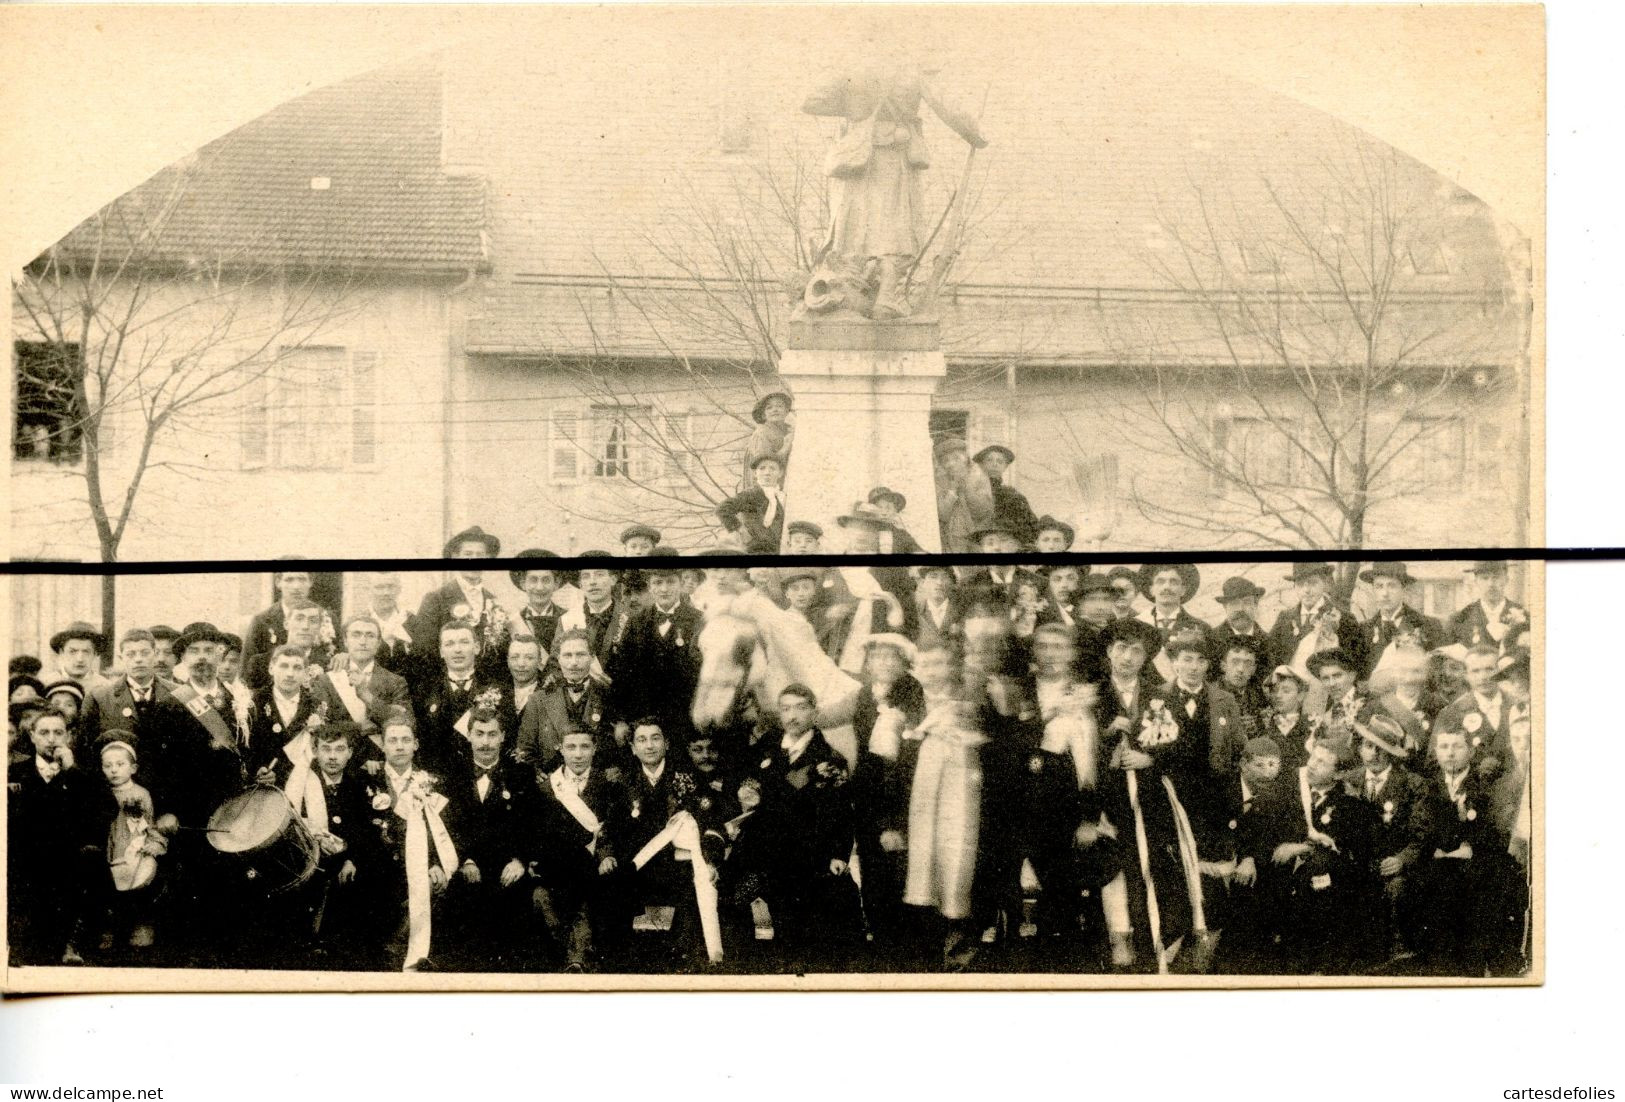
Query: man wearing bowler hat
x=1393, y=618
x=1494, y=618
x=1314, y=609
x=1239, y=599
x=1010, y=507
x=465, y=597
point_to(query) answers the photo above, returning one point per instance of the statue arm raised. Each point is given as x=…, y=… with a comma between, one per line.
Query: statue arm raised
x=958, y=120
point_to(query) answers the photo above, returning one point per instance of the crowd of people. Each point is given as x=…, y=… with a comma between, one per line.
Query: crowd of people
x=687, y=765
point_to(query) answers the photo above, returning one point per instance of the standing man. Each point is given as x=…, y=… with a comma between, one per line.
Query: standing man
x=1239, y=599
x=138, y=703
x=1010, y=508
x=1493, y=619
x=965, y=502
x=1314, y=608
x=1053, y=535
x=465, y=598
x=1483, y=712
x=576, y=701
x=358, y=685
x=289, y=589
x=896, y=539
x=78, y=650
x=541, y=613
x=659, y=662
x=304, y=619
x=444, y=704
x=603, y=615
x=395, y=624
x=1394, y=619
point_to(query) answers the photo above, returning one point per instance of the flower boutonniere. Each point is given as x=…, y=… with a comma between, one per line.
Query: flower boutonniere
x=1157, y=726
x=489, y=697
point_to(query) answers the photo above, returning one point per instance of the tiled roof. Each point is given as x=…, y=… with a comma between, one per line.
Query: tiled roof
x=348, y=175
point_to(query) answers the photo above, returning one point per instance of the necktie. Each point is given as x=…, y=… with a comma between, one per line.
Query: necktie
x=1190, y=705
x=482, y=783
x=1370, y=787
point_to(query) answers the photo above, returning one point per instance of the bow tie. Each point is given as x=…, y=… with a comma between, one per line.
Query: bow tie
x=460, y=684
x=484, y=770
x=48, y=769
x=576, y=688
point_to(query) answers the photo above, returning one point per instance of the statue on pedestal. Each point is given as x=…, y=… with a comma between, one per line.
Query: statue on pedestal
x=875, y=193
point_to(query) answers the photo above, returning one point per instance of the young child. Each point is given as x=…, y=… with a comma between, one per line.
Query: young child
x=800, y=591
x=136, y=839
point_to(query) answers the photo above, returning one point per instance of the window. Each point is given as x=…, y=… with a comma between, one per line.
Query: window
x=1427, y=258
x=1254, y=450
x=316, y=410
x=948, y=424
x=1432, y=454
x=1441, y=597
x=631, y=442
x=48, y=414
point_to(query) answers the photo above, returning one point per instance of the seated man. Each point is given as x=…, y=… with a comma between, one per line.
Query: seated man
x=582, y=812
x=658, y=790
x=1401, y=831
x=494, y=817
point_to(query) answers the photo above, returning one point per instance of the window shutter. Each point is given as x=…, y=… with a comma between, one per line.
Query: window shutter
x=647, y=440
x=364, y=409
x=324, y=410
x=564, y=454
x=678, y=448
x=255, y=440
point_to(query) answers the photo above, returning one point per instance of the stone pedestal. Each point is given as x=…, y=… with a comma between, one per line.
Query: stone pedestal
x=862, y=414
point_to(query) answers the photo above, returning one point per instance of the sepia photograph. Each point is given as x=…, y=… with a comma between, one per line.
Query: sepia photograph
x=802, y=497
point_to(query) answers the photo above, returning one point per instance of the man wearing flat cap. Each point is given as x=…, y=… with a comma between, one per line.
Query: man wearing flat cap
x=1494, y=618
x=465, y=597
x=1316, y=614
x=756, y=515
x=1010, y=508
x=1392, y=618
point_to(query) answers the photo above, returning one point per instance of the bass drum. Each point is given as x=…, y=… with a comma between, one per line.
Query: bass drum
x=261, y=837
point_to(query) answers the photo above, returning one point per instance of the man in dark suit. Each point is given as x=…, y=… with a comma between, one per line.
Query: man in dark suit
x=465, y=598
x=269, y=628
x=1228, y=838
x=937, y=606
x=582, y=813
x=1239, y=599
x=138, y=702
x=1239, y=671
x=1096, y=608
x=1473, y=898
x=51, y=845
x=1402, y=831
x=541, y=615
x=757, y=514
x=281, y=712
x=658, y=665
x=1483, y=712
x=358, y=685
x=444, y=703
x=1207, y=715
x=1011, y=510
x=1315, y=607
x=1393, y=618
x=1494, y=619
x=494, y=816
x=603, y=615
x=1168, y=586
x=894, y=540
x=814, y=902
x=396, y=625
x=331, y=797
x=575, y=702
x=304, y=619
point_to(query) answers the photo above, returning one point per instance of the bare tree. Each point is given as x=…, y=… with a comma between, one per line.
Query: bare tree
x=1305, y=357
x=134, y=351
x=724, y=269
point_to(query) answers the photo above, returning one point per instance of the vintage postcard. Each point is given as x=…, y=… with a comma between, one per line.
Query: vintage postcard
x=1078, y=287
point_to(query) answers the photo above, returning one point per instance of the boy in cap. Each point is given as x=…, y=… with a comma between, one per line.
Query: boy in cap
x=773, y=436
x=757, y=514
x=894, y=539
x=1403, y=827
x=800, y=591
x=1284, y=720
x=1494, y=619
x=135, y=838
x=1053, y=536
x=78, y=653
x=803, y=537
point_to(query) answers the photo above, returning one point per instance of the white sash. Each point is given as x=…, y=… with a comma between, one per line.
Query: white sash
x=683, y=833
x=422, y=817
x=1308, y=803
x=340, y=680
x=577, y=807
x=304, y=788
